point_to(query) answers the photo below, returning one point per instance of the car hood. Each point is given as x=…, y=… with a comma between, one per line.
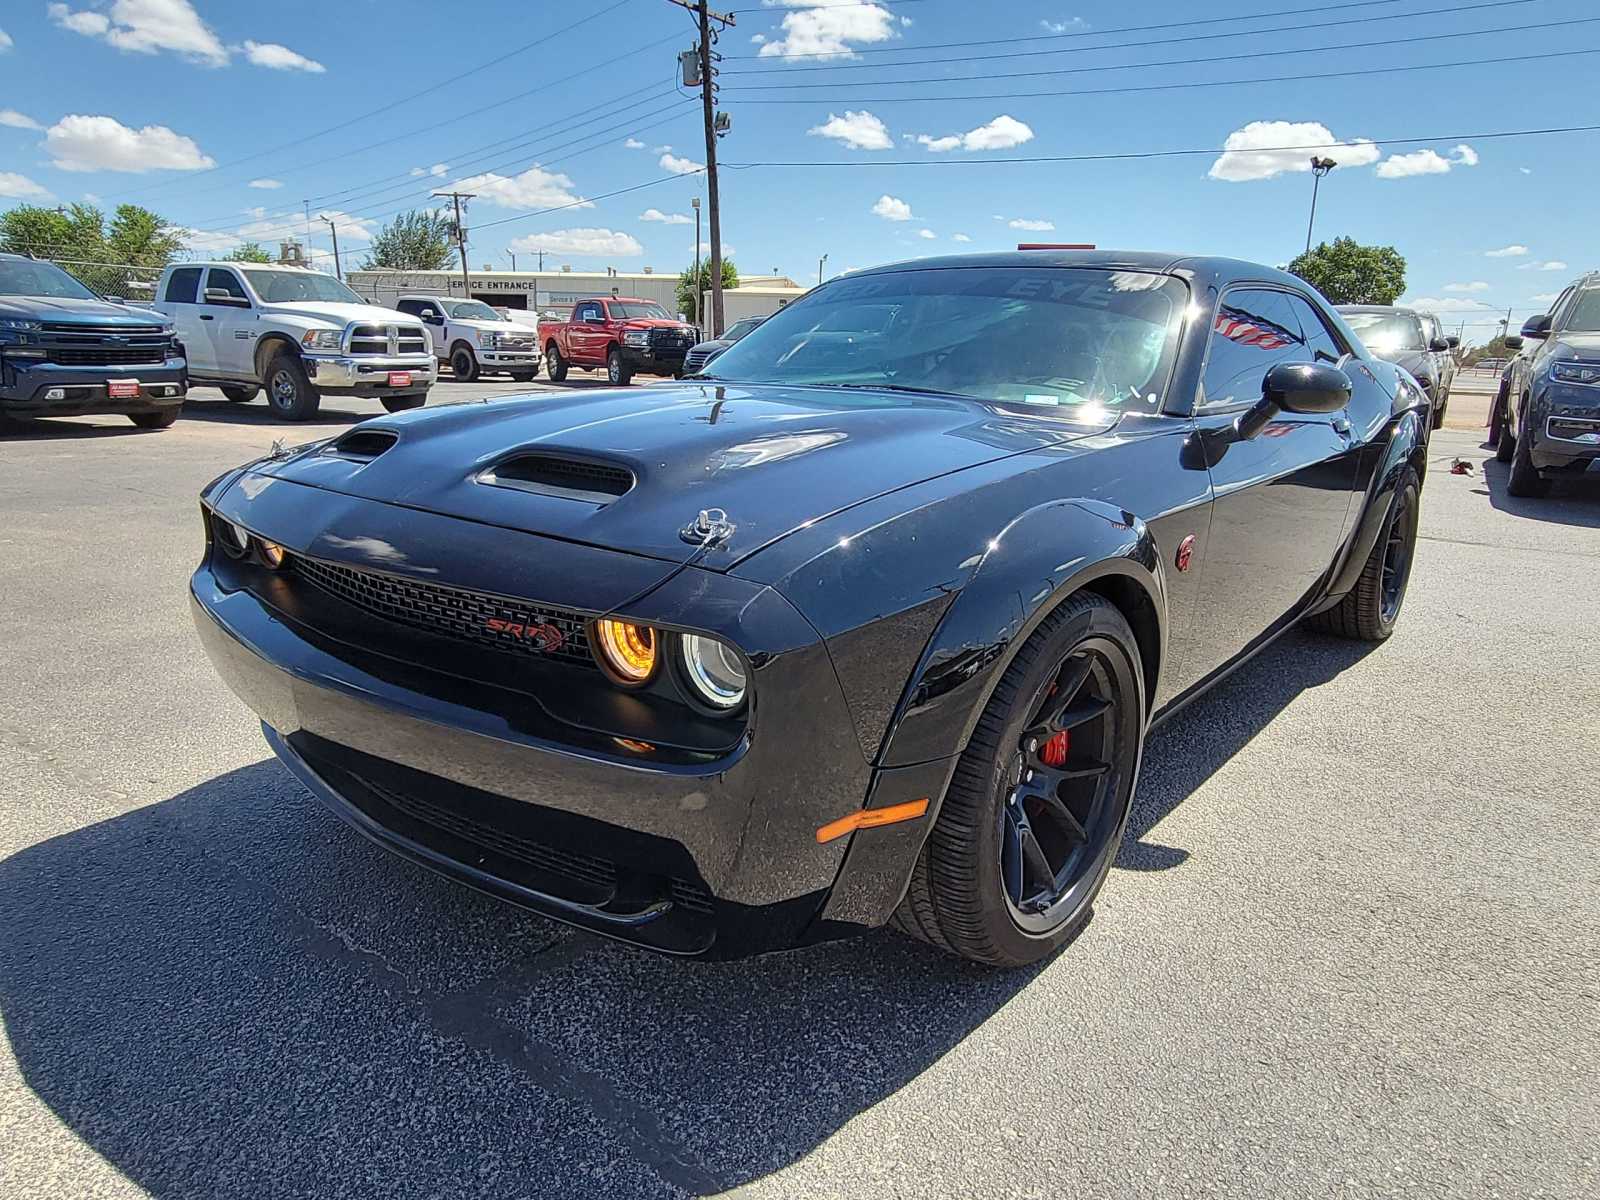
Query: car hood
x=774, y=459
x=1585, y=347
x=657, y=323
x=340, y=312
x=65, y=309
x=1418, y=362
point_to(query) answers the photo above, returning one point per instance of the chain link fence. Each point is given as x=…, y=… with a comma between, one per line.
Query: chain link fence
x=113, y=279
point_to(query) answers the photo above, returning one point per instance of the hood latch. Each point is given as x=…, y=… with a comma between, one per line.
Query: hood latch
x=710, y=528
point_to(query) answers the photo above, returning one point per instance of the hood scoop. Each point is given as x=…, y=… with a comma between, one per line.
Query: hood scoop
x=592, y=481
x=365, y=444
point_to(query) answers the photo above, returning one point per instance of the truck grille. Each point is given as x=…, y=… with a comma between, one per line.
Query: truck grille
x=695, y=359
x=454, y=612
x=105, y=356
x=388, y=339
x=670, y=340
x=96, y=332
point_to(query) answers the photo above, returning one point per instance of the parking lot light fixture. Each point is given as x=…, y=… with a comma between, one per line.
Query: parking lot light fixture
x=1319, y=168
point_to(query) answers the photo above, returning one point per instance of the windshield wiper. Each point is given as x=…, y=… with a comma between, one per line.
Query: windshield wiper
x=893, y=387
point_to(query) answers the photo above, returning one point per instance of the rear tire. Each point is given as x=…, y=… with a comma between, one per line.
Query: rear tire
x=405, y=402
x=154, y=420
x=554, y=363
x=1020, y=850
x=617, y=373
x=1505, y=442
x=290, y=395
x=1524, y=480
x=1369, y=612
x=464, y=365
x=240, y=395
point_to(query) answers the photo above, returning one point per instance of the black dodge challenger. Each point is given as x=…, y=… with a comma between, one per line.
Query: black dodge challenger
x=865, y=624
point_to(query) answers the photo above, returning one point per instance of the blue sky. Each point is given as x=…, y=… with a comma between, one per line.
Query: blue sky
x=221, y=117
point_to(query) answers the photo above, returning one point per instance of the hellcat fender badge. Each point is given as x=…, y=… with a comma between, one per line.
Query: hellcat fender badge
x=1185, y=553
x=710, y=528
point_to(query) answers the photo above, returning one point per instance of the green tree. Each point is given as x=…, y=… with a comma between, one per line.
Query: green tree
x=687, y=292
x=139, y=238
x=77, y=233
x=1347, y=272
x=247, y=252
x=1495, y=347
x=414, y=241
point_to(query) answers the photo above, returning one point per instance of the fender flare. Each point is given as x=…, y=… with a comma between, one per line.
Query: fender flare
x=1043, y=556
x=1408, y=447
x=460, y=344
x=267, y=346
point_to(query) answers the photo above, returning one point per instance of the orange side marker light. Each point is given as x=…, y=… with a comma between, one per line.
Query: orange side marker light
x=871, y=818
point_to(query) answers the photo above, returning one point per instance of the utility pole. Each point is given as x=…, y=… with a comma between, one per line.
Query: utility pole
x=461, y=238
x=1319, y=168
x=513, y=257
x=333, y=231
x=714, y=124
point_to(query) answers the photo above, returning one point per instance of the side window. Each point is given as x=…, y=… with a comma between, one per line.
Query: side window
x=183, y=285
x=227, y=281
x=586, y=312
x=413, y=307
x=1255, y=329
x=1557, y=311
x=1320, y=340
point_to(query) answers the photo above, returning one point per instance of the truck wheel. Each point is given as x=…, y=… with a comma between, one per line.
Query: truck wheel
x=554, y=363
x=1037, y=806
x=617, y=371
x=240, y=395
x=289, y=393
x=404, y=402
x=464, y=363
x=1525, y=479
x=1505, y=442
x=1369, y=610
x=154, y=420
x=522, y=376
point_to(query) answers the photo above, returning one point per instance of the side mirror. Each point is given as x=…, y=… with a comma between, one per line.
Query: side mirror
x=1537, y=327
x=223, y=296
x=1438, y=345
x=1513, y=342
x=1453, y=341
x=433, y=318
x=1308, y=388
x=594, y=320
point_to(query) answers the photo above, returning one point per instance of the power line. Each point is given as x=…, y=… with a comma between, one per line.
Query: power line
x=1165, y=87
x=1187, y=38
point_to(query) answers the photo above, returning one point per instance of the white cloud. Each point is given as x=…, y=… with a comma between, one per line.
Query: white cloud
x=831, y=30
x=1544, y=298
x=758, y=38
x=20, y=187
x=147, y=27
x=5, y=41
x=927, y=233
x=1446, y=304
x=11, y=117
x=1477, y=285
x=266, y=185
x=82, y=143
x=655, y=214
x=581, y=242
x=891, y=208
x=959, y=237
x=1266, y=149
x=208, y=241
x=1070, y=25
x=280, y=58
x=91, y=198
x=1554, y=264
x=351, y=229
x=634, y=144
x=705, y=251
x=1426, y=162
x=680, y=166
x=1525, y=170
x=1512, y=251
x=660, y=149
x=438, y=170
x=857, y=130
x=1034, y=226
x=533, y=188
x=999, y=134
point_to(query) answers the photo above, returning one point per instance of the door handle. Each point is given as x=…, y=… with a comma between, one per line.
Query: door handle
x=207, y=317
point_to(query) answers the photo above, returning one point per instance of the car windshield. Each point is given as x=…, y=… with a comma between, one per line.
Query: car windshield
x=286, y=287
x=739, y=328
x=633, y=311
x=1585, y=316
x=25, y=277
x=1386, y=333
x=472, y=310
x=1046, y=338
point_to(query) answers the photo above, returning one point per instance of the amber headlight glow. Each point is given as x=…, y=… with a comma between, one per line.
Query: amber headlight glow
x=271, y=553
x=714, y=671
x=626, y=651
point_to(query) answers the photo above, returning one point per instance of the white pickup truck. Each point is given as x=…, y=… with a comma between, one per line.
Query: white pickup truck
x=473, y=338
x=299, y=333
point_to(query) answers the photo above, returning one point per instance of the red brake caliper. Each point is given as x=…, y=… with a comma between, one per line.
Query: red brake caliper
x=1054, y=752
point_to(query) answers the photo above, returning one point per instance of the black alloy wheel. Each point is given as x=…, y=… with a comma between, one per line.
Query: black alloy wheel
x=1369, y=610
x=464, y=364
x=1505, y=442
x=1524, y=480
x=1035, y=811
x=289, y=392
x=1398, y=549
x=554, y=363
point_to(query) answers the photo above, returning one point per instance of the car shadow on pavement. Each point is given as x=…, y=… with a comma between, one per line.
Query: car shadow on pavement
x=1573, y=500
x=229, y=994
x=60, y=429
x=256, y=412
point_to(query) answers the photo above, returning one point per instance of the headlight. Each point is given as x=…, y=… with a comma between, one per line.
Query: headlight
x=489, y=341
x=1575, y=372
x=235, y=539
x=714, y=671
x=626, y=651
x=17, y=323
x=637, y=337
x=322, y=339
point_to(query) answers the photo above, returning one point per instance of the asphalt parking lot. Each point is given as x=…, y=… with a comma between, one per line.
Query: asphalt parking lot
x=1352, y=947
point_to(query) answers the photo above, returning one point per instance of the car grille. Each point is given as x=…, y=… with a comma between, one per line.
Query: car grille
x=513, y=341
x=695, y=359
x=670, y=339
x=67, y=332
x=375, y=339
x=105, y=356
x=454, y=612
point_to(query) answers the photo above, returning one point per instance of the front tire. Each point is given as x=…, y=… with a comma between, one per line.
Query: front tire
x=290, y=395
x=464, y=365
x=154, y=420
x=554, y=363
x=522, y=376
x=1036, y=809
x=1524, y=480
x=240, y=395
x=1369, y=611
x=617, y=373
x=404, y=402
x=1505, y=442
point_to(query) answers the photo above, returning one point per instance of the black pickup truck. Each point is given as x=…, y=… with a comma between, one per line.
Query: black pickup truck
x=65, y=352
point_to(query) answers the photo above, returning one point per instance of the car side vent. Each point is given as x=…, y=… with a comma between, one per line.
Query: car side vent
x=558, y=475
x=365, y=443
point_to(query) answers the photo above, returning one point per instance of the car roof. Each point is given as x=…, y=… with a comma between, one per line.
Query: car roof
x=1204, y=268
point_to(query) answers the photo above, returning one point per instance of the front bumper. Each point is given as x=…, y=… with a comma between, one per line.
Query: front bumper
x=715, y=856
x=26, y=386
x=511, y=360
x=369, y=374
x=647, y=360
x=1566, y=418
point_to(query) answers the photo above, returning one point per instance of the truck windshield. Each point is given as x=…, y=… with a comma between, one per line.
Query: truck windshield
x=1048, y=339
x=636, y=312
x=286, y=287
x=1386, y=333
x=25, y=277
x=1585, y=316
x=473, y=310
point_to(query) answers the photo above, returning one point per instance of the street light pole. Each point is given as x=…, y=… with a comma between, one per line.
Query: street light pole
x=820, y=261
x=333, y=231
x=1319, y=168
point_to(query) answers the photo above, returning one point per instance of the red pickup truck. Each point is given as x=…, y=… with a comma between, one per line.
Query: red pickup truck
x=620, y=335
